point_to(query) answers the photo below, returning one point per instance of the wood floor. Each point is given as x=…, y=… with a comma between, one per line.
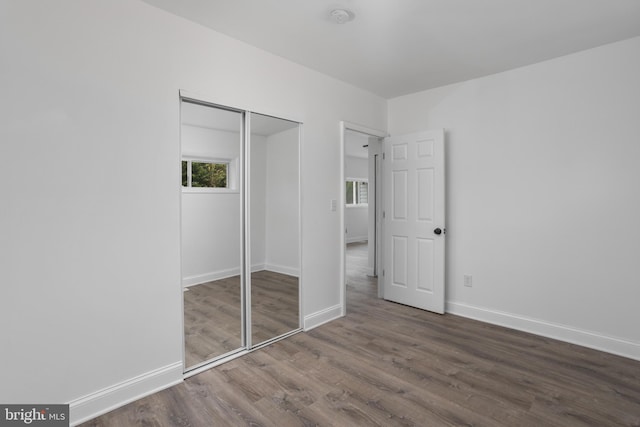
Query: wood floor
x=386, y=364
x=212, y=319
x=212, y=311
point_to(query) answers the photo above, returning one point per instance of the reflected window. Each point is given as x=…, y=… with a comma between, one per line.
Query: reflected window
x=357, y=192
x=205, y=174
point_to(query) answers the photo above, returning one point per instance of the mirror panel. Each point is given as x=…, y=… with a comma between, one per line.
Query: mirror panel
x=211, y=140
x=274, y=227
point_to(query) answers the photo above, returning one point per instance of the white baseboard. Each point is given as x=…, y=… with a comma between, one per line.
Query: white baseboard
x=110, y=398
x=560, y=332
x=321, y=317
x=209, y=277
x=223, y=274
x=282, y=269
x=258, y=267
x=356, y=239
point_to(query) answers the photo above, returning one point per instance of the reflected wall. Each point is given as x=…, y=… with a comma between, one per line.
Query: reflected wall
x=275, y=227
x=211, y=140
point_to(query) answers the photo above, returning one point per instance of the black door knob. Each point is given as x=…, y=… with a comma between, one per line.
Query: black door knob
x=438, y=231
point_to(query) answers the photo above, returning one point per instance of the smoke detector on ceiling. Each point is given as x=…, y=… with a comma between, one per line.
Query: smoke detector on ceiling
x=342, y=16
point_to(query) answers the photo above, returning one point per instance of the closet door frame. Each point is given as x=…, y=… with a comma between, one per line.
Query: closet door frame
x=245, y=233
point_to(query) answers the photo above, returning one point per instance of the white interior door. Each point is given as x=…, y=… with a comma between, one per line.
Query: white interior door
x=413, y=220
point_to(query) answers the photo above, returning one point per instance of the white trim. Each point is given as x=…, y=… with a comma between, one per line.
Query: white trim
x=344, y=126
x=356, y=239
x=321, y=317
x=289, y=271
x=342, y=200
x=556, y=331
x=199, y=279
x=245, y=235
x=213, y=364
x=232, y=105
x=180, y=248
x=207, y=159
x=110, y=398
x=258, y=267
x=210, y=190
x=364, y=129
x=209, y=277
x=300, y=241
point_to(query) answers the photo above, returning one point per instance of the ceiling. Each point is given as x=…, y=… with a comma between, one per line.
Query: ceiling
x=396, y=47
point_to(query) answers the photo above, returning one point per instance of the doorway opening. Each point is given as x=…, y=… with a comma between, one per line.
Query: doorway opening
x=361, y=153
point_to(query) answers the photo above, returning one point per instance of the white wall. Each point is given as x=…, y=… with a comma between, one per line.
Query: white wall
x=356, y=168
x=210, y=236
x=543, y=203
x=282, y=200
x=202, y=142
x=356, y=218
x=90, y=308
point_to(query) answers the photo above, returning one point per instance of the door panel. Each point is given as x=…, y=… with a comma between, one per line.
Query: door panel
x=399, y=255
x=425, y=195
x=211, y=232
x=413, y=174
x=425, y=248
x=400, y=195
x=274, y=228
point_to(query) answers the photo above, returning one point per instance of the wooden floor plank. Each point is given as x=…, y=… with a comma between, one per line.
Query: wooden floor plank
x=386, y=364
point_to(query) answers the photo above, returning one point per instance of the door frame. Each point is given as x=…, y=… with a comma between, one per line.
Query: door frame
x=412, y=227
x=344, y=126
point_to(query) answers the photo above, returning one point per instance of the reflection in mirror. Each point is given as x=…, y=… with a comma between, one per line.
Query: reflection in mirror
x=211, y=141
x=274, y=225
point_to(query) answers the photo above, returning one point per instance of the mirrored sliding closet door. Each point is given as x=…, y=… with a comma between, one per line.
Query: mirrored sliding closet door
x=274, y=213
x=212, y=222
x=240, y=230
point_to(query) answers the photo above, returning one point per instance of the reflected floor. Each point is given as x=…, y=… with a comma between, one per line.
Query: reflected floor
x=213, y=314
x=274, y=305
x=212, y=319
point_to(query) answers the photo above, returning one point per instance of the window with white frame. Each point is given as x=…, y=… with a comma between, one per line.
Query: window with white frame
x=206, y=174
x=357, y=192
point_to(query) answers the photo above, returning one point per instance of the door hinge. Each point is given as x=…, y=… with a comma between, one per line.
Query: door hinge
x=383, y=156
x=383, y=272
x=384, y=214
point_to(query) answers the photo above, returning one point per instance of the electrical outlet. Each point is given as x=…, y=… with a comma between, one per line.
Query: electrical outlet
x=468, y=280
